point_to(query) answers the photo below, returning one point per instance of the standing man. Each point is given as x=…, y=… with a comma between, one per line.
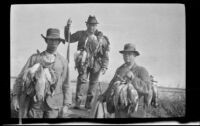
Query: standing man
x=155, y=92
x=98, y=64
x=140, y=79
x=51, y=59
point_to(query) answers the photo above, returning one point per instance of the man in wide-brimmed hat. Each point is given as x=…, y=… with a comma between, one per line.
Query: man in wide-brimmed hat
x=140, y=79
x=96, y=46
x=53, y=61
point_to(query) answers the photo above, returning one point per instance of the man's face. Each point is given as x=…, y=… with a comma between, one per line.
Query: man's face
x=91, y=27
x=52, y=43
x=128, y=57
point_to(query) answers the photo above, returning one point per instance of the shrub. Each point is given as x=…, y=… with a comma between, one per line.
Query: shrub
x=174, y=108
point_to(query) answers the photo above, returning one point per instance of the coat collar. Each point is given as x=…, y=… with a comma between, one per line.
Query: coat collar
x=55, y=53
x=130, y=66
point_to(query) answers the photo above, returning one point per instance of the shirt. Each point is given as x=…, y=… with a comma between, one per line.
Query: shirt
x=50, y=57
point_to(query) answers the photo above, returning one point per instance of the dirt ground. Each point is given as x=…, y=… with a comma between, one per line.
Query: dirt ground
x=168, y=106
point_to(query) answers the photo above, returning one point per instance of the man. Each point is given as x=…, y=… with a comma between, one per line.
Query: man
x=152, y=79
x=140, y=79
x=51, y=59
x=155, y=92
x=96, y=64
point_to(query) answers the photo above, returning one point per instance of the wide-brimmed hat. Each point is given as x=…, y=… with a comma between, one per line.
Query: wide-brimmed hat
x=129, y=47
x=53, y=33
x=92, y=20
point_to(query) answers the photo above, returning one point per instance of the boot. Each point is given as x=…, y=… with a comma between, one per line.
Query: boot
x=88, y=102
x=77, y=104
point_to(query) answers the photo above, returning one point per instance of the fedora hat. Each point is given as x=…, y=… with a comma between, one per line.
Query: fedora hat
x=129, y=47
x=92, y=20
x=151, y=76
x=53, y=33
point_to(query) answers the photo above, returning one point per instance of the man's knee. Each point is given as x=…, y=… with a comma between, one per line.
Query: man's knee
x=80, y=88
x=92, y=87
x=82, y=79
x=94, y=77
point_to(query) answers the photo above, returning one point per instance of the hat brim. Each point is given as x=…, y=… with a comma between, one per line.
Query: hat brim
x=135, y=52
x=91, y=23
x=60, y=39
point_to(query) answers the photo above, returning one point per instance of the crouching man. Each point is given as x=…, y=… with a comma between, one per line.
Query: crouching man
x=117, y=98
x=45, y=66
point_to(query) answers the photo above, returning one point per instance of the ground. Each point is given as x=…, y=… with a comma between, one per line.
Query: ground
x=172, y=105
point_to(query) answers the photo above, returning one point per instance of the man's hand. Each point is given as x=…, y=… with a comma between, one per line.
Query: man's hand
x=101, y=98
x=15, y=103
x=67, y=29
x=130, y=75
x=69, y=22
x=103, y=70
x=65, y=109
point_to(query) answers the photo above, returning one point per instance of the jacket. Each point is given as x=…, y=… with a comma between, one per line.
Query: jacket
x=61, y=95
x=102, y=58
x=141, y=82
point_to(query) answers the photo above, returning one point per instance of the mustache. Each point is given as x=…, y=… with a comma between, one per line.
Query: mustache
x=51, y=48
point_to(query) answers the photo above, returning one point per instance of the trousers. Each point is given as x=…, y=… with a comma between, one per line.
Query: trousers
x=81, y=81
x=40, y=109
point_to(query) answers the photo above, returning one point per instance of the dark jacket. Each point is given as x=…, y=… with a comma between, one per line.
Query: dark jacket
x=141, y=82
x=102, y=59
x=61, y=95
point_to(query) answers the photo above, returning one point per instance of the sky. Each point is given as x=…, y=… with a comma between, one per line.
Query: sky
x=157, y=30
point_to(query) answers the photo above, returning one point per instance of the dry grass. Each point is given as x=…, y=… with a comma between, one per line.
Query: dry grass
x=170, y=105
x=174, y=108
x=169, y=108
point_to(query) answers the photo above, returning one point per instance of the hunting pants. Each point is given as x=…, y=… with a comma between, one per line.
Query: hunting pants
x=81, y=81
x=40, y=109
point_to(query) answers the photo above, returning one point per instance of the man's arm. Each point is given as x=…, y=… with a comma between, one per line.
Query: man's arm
x=73, y=37
x=110, y=85
x=142, y=82
x=105, y=49
x=105, y=60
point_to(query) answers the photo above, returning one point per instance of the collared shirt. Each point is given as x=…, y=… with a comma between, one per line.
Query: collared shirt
x=50, y=57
